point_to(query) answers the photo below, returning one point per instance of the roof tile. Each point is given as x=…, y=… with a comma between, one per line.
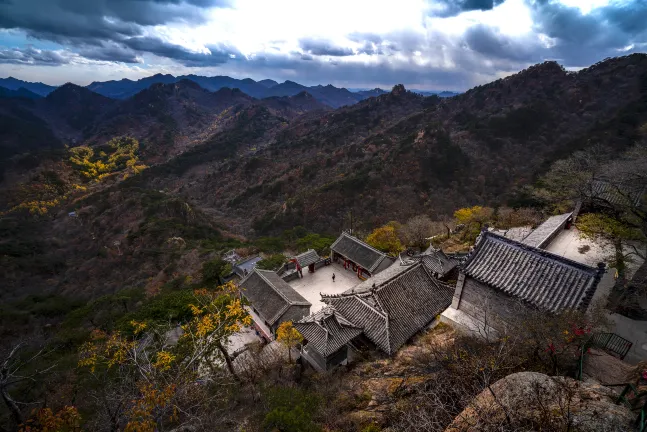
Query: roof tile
x=543, y=279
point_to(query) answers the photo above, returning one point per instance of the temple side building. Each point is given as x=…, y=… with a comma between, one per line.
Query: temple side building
x=360, y=256
x=272, y=301
x=328, y=337
x=503, y=278
x=439, y=264
x=393, y=306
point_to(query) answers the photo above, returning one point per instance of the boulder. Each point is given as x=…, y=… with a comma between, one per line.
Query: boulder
x=533, y=401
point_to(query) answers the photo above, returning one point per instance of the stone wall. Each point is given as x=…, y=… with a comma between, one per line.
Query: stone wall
x=484, y=303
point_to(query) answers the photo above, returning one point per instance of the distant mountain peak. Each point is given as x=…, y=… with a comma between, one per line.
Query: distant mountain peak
x=398, y=89
x=303, y=94
x=267, y=83
x=185, y=82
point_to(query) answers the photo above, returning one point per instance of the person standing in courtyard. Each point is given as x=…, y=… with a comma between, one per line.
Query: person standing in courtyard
x=333, y=277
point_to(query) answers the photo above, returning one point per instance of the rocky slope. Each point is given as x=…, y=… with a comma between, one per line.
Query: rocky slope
x=171, y=117
x=535, y=401
x=399, y=154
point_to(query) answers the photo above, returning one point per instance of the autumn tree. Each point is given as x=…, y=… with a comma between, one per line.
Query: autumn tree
x=216, y=316
x=148, y=371
x=616, y=187
x=66, y=419
x=474, y=218
x=385, y=238
x=119, y=154
x=571, y=180
x=288, y=336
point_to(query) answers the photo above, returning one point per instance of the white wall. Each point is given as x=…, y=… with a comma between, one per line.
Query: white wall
x=634, y=331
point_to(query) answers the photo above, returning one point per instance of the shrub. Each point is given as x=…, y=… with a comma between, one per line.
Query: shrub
x=272, y=262
x=291, y=410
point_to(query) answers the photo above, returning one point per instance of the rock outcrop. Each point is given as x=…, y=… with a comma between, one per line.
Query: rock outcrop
x=532, y=401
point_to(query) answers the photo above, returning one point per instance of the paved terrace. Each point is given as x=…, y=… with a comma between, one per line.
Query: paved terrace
x=312, y=284
x=570, y=244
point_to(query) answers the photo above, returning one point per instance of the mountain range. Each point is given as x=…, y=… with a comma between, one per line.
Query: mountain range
x=125, y=88
x=224, y=165
x=182, y=111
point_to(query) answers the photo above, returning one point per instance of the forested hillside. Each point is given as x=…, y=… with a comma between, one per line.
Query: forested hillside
x=116, y=215
x=255, y=168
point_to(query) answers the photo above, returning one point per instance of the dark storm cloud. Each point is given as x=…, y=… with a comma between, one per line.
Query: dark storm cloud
x=33, y=56
x=83, y=23
x=490, y=43
x=319, y=47
x=403, y=41
x=447, y=8
x=584, y=39
x=113, y=52
x=382, y=73
x=217, y=55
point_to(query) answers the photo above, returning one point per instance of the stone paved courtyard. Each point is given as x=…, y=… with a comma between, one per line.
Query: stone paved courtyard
x=321, y=282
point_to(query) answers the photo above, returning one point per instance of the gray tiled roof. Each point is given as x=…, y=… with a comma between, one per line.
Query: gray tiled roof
x=396, y=308
x=359, y=252
x=540, y=235
x=545, y=280
x=248, y=264
x=308, y=257
x=624, y=194
x=327, y=331
x=437, y=262
x=270, y=294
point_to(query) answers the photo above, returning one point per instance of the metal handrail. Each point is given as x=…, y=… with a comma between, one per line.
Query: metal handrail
x=641, y=420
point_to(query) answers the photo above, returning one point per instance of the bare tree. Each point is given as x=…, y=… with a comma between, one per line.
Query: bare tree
x=417, y=230
x=17, y=365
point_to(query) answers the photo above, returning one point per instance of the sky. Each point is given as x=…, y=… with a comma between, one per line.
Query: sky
x=423, y=44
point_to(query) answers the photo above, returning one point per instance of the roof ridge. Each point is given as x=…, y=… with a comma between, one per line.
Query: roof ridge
x=246, y=277
x=541, y=252
x=363, y=243
x=396, y=276
x=272, y=285
x=359, y=297
x=436, y=281
x=547, y=236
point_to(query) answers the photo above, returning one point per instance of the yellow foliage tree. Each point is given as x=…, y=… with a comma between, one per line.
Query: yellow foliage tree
x=474, y=218
x=45, y=420
x=288, y=336
x=160, y=369
x=119, y=154
x=217, y=315
x=385, y=238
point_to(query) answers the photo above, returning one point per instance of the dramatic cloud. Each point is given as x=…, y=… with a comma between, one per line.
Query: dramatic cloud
x=84, y=23
x=579, y=39
x=33, y=56
x=490, y=43
x=324, y=48
x=445, y=8
x=428, y=44
x=215, y=54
